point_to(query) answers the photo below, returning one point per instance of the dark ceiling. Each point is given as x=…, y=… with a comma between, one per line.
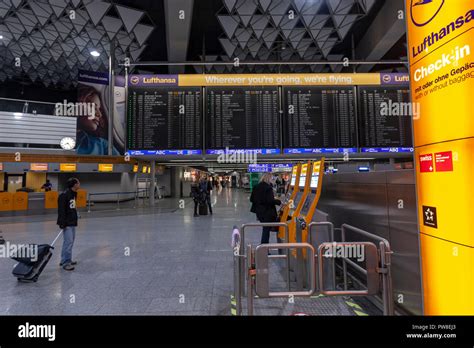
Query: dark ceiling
x=342, y=27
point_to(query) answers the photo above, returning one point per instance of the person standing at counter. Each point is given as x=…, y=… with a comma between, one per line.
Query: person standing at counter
x=67, y=221
x=263, y=205
x=47, y=186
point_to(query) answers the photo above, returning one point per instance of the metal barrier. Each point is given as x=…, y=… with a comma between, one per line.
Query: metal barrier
x=240, y=259
x=385, y=265
x=311, y=240
x=255, y=263
x=118, y=194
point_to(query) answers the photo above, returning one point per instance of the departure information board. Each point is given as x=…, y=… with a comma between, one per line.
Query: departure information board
x=385, y=119
x=165, y=120
x=319, y=120
x=243, y=118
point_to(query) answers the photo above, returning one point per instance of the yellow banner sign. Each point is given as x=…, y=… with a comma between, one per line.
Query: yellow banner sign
x=279, y=80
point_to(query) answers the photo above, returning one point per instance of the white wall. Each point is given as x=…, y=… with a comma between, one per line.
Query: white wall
x=105, y=183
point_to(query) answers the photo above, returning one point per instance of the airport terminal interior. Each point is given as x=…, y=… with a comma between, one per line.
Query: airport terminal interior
x=236, y=157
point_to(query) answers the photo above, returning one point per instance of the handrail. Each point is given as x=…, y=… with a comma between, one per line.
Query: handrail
x=27, y=101
x=378, y=265
x=135, y=193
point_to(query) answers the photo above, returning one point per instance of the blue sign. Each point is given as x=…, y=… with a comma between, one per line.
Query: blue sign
x=164, y=152
x=268, y=168
x=244, y=151
x=387, y=150
x=300, y=151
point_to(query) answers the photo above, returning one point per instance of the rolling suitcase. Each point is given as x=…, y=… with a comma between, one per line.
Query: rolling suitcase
x=29, y=270
x=203, y=209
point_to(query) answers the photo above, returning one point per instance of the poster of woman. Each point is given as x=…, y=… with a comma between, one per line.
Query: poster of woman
x=93, y=130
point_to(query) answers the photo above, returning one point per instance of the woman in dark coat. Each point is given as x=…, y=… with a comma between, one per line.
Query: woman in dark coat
x=263, y=204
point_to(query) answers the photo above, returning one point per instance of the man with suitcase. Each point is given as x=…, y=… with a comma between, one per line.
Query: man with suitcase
x=67, y=221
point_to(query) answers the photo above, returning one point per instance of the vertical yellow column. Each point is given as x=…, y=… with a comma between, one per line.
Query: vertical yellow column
x=441, y=51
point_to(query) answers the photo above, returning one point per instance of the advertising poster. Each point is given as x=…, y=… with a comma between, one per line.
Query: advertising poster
x=93, y=130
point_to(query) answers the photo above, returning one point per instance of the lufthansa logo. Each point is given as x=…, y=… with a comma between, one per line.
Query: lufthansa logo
x=135, y=80
x=387, y=78
x=424, y=11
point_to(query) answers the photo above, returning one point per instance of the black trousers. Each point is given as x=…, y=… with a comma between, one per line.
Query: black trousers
x=266, y=234
x=196, y=204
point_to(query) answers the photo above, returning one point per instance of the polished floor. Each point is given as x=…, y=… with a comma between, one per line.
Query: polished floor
x=159, y=261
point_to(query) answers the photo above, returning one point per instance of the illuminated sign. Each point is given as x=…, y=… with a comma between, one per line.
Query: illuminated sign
x=135, y=168
x=424, y=11
x=441, y=49
x=68, y=167
x=153, y=80
x=39, y=167
x=270, y=168
x=207, y=80
x=300, y=151
x=165, y=152
x=106, y=168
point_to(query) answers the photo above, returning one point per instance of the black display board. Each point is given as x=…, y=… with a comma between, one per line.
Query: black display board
x=242, y=118
x=379, y=124
x=164, y=118
x=319, y=118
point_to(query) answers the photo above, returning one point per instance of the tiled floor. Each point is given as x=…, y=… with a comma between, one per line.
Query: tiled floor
x=178, y=264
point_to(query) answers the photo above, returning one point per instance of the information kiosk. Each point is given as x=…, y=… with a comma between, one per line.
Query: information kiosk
x=289, y=198
x=296, y=204
x=311, y=201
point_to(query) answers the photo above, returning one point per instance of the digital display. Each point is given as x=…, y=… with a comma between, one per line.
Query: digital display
x=168, y=120
x=242, y=118
x=315, y=175
x=318, y=118
x=385, y=122
x=304, y=171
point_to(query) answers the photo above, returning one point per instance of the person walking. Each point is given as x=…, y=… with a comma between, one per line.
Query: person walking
x=205, y=187
x=195, y=194
x=67, y=221
x=263, y=205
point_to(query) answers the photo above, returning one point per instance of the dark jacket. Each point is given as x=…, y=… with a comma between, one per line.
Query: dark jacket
x=264, y=203
x=67, y=213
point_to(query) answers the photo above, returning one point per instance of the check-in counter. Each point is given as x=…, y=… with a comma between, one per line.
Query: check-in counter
x=34, y=203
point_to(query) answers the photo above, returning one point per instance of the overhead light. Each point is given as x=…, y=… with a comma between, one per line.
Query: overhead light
x=95, y=54
x=18, y=115
x=1, y=37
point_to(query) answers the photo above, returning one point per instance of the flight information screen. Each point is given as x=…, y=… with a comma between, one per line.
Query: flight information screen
x=243, y=118
x=319, y=120
x=385, y=124
x=166, y=119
